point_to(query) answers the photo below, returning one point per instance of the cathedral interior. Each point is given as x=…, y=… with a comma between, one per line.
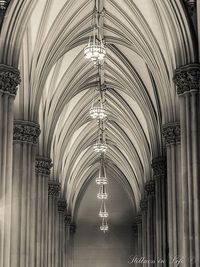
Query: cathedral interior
x=99, y=133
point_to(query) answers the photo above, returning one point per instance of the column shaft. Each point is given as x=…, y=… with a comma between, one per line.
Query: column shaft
x=23, y=224
x=42, y=170
x=53, y=193
x=171, y=133
x=9, y=80
x=187, y=79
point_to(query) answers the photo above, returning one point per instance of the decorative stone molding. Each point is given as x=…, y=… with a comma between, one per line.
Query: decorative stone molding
x=53, y=188
x=68, y=219
x=61, y=203
x=150, y=188
x=144, y=204
x=172, y=133
x=159, y=166
x=187, y=78
x=191, y=6
x=72, y=228
x=43, y=166
x=9, y=80
x=26, y=132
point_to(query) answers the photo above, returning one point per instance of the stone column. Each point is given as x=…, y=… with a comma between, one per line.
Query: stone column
x=24, y=200
x=151, y=223
x=53, y=193
x=191, y=7
x=42, y=170
x=187, y=79
x=138, y=222
x=171, y=133
x=144, y=208
x=9, y=80
x=61, y=227
x=66, y=262
x=159, y=166
x=71, y=244
x=135, y=240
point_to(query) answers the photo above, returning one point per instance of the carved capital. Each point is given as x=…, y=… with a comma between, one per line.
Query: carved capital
x=68, y=220
x=191, y=6
x=72, y=228
x=159, y=166
x=61, y=203
x=26, y=132
x=53, y=188
x=43, y=166
x=144, y=204
x=150, y=188
x=138, y=219
x=9, y=80
x=187, y=78
x=172, y=133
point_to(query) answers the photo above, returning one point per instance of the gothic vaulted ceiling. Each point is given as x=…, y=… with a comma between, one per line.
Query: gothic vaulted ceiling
x=145, y=41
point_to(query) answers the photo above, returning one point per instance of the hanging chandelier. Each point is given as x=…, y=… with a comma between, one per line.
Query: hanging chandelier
x=100, y=147
x=102, y=192
x=3, y=5
x=104, y=225
x=103, y=213
x=98, y=112
x=102, y=179
x=95, y=49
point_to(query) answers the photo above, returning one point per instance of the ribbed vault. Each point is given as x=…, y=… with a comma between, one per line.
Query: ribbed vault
x=46, y=38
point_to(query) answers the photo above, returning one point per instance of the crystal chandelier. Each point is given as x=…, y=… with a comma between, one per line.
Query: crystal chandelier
x=102, y=179
x=104, y=225
x=3, y=5
x=100, y=147
x=103, y=213
x=95, y=49
x=98, y=112
x=102, y=193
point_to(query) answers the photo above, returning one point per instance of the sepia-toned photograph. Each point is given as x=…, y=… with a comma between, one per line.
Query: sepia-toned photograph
x=99, y=133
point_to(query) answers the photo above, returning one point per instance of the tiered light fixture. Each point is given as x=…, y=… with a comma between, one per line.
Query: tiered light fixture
x=95, y=49
x=103, y=212
x=100, y=146
x=104, y=225
x=102, y=192
x=102, y=179
x=98, y=112
x=3, y=5
x=102, y=195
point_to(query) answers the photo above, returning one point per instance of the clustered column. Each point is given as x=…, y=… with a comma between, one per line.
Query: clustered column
x=53, y=194
x=187, y=79
x=71, y=244
x=24, y=200
x=137, y=237
x=144, y=208
x=61, y=230
x=42, y=170
x=66, y=261
x=9, y=80
x=159, y=174
x=151, y=223
x=171, y=133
